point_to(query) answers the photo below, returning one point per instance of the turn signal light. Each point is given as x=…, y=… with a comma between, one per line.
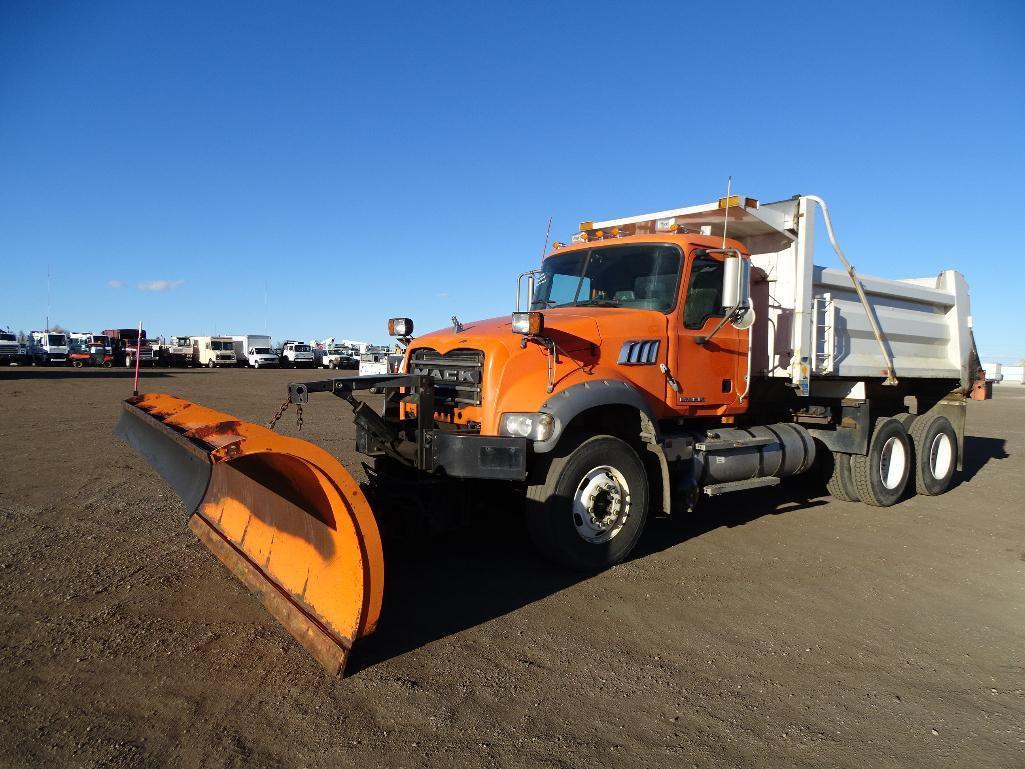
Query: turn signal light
x=529, y=323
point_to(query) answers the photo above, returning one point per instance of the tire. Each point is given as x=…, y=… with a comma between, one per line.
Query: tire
x=839, y=477
x=935, y=454
x=604, y=469
x=209, y=364
x=881, y=476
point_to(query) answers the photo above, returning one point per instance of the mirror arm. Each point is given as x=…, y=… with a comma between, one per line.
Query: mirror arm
x=701, y=339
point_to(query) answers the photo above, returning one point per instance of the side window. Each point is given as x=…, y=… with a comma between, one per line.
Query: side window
x=704, y=292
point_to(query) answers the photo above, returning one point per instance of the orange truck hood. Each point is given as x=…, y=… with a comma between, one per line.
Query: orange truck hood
x=515, y=378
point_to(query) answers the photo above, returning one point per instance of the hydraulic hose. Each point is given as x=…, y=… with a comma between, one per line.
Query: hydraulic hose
x=891, y=375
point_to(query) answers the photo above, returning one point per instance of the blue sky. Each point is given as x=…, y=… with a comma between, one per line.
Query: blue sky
x=403, y=159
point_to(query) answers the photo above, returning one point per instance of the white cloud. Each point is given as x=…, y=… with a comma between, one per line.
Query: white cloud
x=115, y=283
x=159, y=285
x=442, y=295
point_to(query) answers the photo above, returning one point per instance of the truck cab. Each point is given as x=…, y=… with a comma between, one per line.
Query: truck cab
x=9, y=349
x=297, y=355
x=126, y=343
x=177, y=351
x=48, y=348
x=213, y=351
x=340, y=356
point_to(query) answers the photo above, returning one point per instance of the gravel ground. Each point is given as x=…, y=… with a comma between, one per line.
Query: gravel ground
x=771, y=630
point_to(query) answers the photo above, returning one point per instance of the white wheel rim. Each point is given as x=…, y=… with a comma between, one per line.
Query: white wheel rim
x=941, y=455
x=601, y=504
x=892, y=463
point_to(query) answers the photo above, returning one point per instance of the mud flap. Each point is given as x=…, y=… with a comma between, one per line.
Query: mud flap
x=282, y=514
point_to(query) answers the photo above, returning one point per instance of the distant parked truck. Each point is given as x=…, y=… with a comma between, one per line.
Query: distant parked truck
x=254, y=350
x=297, y=354
x=379, y=359
x=340, y=356
x=125, y=344
x=177, y=352
x=87, y=349
x=48, y=348
x=212, y=351
x=9, y=351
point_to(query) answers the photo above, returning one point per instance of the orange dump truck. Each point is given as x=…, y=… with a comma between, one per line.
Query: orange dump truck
x=656, y=360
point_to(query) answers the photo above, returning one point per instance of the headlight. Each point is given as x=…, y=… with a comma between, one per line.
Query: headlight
x=530, y=323
x=400, y=327
x=537, y=427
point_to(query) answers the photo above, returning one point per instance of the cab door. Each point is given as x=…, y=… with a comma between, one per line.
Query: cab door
x=710, y=376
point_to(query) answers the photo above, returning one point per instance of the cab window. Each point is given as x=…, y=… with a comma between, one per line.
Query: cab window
x=704, y=292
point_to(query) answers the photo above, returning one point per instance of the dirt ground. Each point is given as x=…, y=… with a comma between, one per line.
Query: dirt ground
x=771, y=630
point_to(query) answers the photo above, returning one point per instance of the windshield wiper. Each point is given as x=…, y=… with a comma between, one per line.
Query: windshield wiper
x=599, y=303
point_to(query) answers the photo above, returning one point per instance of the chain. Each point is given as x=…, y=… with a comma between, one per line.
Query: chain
x=281, y=412
x=299, y=417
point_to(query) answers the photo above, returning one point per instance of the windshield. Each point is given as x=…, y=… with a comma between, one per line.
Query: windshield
x=301, y=348
x=644, y=277
x=56, y=340
x=261, y=350
x=8, y=338
x=215, y=345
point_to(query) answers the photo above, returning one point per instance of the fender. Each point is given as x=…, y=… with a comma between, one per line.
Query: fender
x=566, y=404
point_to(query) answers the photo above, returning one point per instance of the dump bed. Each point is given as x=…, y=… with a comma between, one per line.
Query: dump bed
x=811, y=323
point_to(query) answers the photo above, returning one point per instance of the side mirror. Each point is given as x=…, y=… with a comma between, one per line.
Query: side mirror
x=736, y=290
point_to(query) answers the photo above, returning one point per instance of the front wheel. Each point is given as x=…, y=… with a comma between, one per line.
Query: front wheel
x=587, y=507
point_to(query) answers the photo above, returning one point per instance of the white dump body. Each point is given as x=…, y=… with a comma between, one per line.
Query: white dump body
x=810, y=324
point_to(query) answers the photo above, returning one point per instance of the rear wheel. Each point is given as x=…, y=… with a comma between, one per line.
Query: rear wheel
x=935, y=449
x=881, y=476
x=839, y=478
x=589, y=508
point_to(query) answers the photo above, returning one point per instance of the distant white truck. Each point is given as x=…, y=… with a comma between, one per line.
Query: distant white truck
x=213, y=351
x=379, y=359
x=254, y=350
x=177, y=351
x=9, y=349
x=48, y=348
x=297, y=354
x=340, y=356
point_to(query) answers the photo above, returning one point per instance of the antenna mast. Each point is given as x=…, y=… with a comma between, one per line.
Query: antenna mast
x=726, y=216
x=548, y=233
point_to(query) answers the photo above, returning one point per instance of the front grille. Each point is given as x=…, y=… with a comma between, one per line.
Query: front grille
x=457, y=374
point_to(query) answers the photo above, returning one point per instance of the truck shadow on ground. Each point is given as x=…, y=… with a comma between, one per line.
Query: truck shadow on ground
x=438, y=586
x=978, y=451
x=443, y=584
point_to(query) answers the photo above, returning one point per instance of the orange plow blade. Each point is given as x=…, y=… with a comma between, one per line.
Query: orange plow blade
x=282, y=514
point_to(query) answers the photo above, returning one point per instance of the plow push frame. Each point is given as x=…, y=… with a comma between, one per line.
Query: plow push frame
x=417, y=442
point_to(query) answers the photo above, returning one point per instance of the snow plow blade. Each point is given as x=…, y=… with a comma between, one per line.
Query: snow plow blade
x=282, y=514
